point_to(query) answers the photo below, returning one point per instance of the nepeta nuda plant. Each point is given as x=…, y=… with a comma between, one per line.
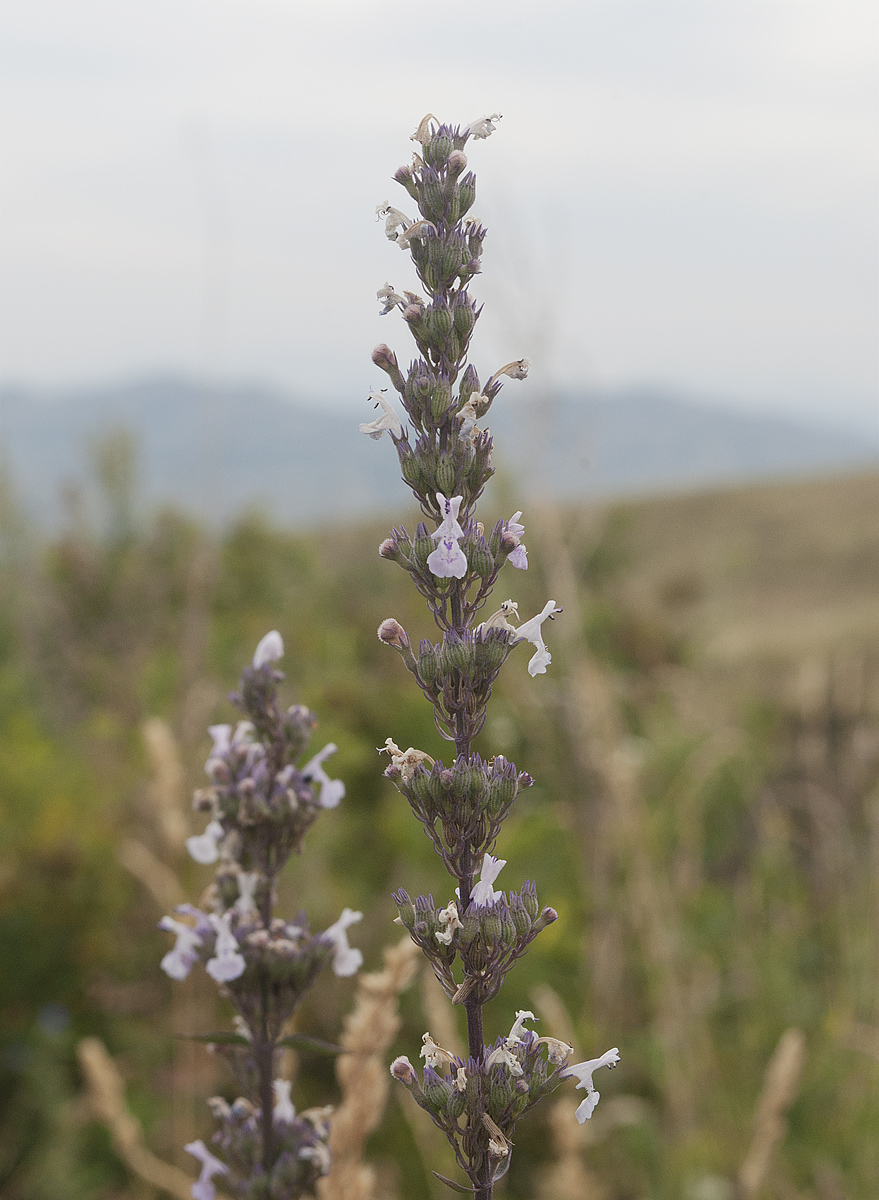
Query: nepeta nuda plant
x=445, y=458
x=261, y=805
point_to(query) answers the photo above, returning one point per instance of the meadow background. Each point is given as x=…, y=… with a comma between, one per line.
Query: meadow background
x=681, y=204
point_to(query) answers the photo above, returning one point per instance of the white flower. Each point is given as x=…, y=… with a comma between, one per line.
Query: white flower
x=557, y=1050
x=204, y=847
x=179, y=962
x=247, y=882
x=503, y=1056
x=210, y=1166
x=392, y=218
x=461, y=1080
x=318, y=1153
x=483, y=893
x=331, y=790
x=227, y=964
x=424, y=133
x=406, y=760
x=468, y=417
x=517, y=369
x=434, y=1055
x=483, y=127
x=388, y=420
x=346, y=960
x=417, y=230
x=283, y=1110
x=531, y=632
x=518, y=1029
x=582, y=1072
x=270, y=649
x=389, y=299
x=499, y=620
x=448, y=917
x=519, y=557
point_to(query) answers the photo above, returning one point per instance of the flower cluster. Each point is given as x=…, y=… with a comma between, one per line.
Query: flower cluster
x=445, y=457
x=259, y=805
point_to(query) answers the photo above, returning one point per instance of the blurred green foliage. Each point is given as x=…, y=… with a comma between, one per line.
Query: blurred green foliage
x=735, y=903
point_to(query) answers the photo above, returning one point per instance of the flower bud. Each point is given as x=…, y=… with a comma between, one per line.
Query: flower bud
x=404, y=176
x=500, y=1091
x=427, y=664
x=390, y=549
x=402, y=1069
x=405, y=908
x=384, y=357
x=466, y=193
x=546, y=918
x=445, y=474
x=457, y=162
x=392, y=633
x=529, y=899
x=437, y=150
x=479, y=558
x=436, y=1090
x=521, y=920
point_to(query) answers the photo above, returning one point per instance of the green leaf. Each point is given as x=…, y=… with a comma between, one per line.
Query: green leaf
x=305, y=1042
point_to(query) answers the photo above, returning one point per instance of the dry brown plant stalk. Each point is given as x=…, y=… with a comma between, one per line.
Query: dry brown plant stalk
x=369, y=1031
x=568, y=1177
x=166, y=790
x=780, y=1087
x=106, y=1095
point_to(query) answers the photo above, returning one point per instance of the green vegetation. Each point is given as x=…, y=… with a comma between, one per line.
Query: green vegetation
x=705, y=819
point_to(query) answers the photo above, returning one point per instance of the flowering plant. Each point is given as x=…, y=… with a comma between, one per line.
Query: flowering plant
x=446, y=459
x=260, y=806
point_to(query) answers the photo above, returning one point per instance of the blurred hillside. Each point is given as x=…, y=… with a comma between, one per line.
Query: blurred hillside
x=219, y=450
x=705, y=819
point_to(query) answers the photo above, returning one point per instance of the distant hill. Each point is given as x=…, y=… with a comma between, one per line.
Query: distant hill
x=217, y=451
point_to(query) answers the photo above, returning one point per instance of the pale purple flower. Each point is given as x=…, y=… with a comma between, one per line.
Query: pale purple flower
x=210, y=1166
x=178, y=962
x=331, y=790
x=346, y=960
x=388, y=420
x=448, y=560
x=283, y=1110
x=402, y=1069
x=519, y=557
x=204, y=847
x=449, y=507
x=227, y=964
x=483, y=892
x=530, y=631
x=582, y=1072
x=270, y=649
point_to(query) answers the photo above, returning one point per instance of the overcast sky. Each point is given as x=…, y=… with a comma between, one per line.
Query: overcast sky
x=680, y=193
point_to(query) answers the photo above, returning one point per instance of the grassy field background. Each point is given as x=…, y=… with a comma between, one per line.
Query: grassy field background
x=705, y=819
